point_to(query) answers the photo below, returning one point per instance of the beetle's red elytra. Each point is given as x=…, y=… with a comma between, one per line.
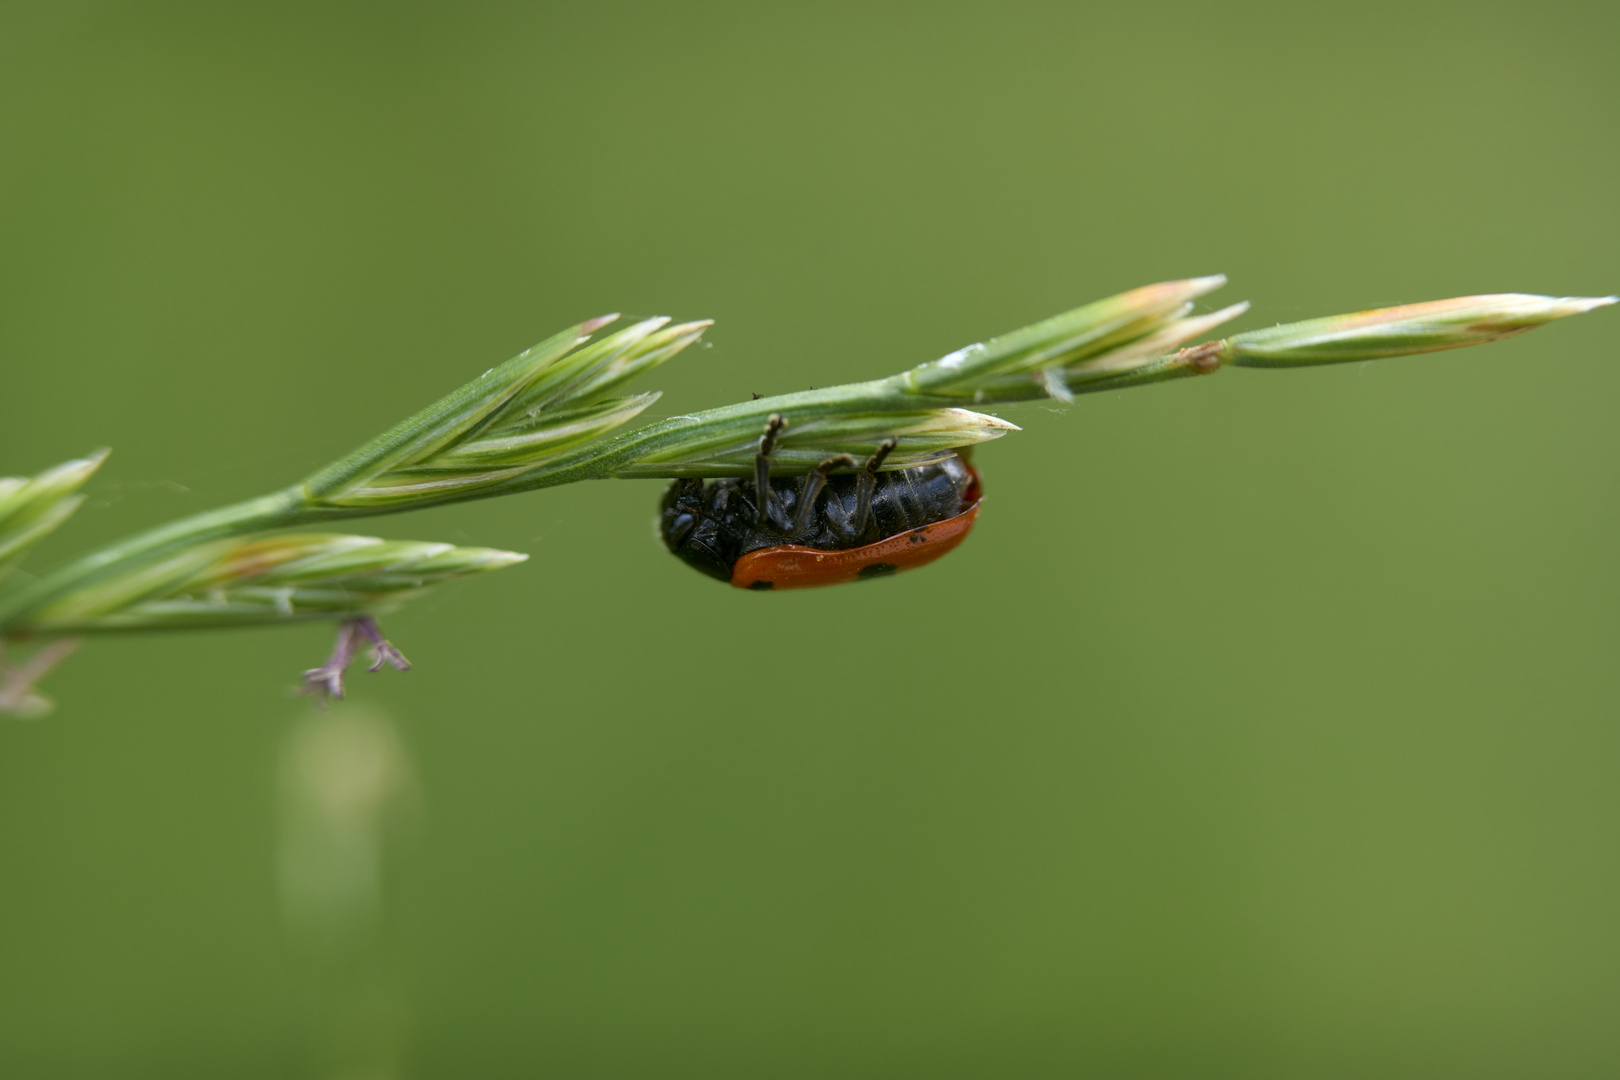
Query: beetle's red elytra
x=789, y=566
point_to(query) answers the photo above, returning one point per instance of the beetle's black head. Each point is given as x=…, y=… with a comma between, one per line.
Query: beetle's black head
x=690, y=532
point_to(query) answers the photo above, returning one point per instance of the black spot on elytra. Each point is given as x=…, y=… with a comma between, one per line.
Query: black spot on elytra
x=760, y=586
x=877, y=569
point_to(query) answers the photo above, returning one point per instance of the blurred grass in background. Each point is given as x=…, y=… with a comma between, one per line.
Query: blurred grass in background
x=1273, y=736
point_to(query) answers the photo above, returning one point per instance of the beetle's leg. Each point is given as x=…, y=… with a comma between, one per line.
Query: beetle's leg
x=762, y=469
x=810, y=490
x=875, y=462
x=849, y=529
x=866, y=485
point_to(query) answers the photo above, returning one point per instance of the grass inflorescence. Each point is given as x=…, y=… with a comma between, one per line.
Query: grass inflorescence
x=554, y=415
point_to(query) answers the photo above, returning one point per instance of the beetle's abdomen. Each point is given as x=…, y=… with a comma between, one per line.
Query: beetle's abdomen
x=917, y=497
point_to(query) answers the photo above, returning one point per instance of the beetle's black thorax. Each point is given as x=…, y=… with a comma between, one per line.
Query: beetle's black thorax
x=713, y=523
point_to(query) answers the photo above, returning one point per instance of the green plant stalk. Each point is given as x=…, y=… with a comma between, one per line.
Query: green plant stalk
x=1080, y=352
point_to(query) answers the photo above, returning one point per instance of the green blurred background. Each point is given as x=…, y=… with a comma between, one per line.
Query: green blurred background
x=1265, y=727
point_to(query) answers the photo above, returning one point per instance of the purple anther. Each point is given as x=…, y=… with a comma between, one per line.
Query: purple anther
x=326, y=681
x=382, y=651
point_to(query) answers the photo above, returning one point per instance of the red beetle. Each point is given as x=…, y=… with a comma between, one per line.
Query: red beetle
x=821, y=529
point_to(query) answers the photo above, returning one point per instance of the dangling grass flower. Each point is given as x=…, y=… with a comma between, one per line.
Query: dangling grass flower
x=19, y=695
x=326, y=681
x=550, y=416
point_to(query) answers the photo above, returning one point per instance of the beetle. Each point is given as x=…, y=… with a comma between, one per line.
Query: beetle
x=822, y=529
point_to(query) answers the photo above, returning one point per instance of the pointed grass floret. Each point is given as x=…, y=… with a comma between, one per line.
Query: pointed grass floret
x=728, y=448
x=1064, y=339
x=31, y=509
x=507, y=422
x=1112, y=367
x=1400, y=331
x=268, y=580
